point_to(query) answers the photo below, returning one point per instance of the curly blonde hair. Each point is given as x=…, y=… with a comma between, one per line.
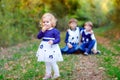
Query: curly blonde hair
x=53, y=19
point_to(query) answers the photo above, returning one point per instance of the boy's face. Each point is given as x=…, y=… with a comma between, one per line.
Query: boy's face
x=73, y=25
x=88, y=28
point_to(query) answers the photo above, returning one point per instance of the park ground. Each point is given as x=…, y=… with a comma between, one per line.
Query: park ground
x=20, y=63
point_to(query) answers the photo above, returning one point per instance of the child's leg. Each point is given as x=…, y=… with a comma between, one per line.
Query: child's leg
x=56, y=69
x=77, y=47
x=48, y=68
x=48, y=71
x=74, y=48
x=90, y=46
x=64, y=49
x=82, y=47
x=95, y=46
x=71, y=50
x=94, y=49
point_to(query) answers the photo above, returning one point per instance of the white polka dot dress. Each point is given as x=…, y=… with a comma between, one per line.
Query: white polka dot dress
x=49, y=53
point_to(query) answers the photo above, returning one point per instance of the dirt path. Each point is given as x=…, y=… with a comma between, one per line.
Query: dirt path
x=87, y=68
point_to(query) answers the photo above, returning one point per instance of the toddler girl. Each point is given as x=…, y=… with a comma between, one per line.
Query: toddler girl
x=49, y=51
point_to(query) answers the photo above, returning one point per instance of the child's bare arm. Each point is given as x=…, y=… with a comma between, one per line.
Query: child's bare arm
x=69, y=45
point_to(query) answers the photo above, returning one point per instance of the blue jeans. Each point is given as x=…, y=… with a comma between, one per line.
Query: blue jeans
x=68, y=50
x=86, y=47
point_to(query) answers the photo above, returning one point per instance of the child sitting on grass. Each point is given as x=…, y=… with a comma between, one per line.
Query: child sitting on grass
x=72, y=38
x=88, y=41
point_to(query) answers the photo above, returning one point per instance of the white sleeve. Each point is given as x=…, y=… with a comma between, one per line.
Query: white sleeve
x=93, y=36
x=95, y=46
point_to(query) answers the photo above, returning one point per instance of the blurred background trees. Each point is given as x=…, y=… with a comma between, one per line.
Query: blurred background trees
x=19, y=19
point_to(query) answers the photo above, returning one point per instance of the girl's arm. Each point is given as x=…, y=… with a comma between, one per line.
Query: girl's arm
x=57, y=37
x=40, y=35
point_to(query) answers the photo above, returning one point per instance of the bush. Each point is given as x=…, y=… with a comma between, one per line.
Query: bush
x=17, y=24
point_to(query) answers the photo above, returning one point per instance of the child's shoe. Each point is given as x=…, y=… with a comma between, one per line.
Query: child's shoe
x=98, y=52
x=47, y=77
x=85, y=53
x=55, y=76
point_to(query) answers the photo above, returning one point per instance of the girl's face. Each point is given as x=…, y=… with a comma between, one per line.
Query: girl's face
x=46, y=22
x=88, y=28
x=73, y=25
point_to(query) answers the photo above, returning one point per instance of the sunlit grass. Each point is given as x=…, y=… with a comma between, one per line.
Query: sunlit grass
x=109, y=59
x=101, y=30
x=23, y=65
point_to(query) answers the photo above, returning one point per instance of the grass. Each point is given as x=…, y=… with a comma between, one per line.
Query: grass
x=110, y=58
x=21, y=63
x=110, y=62
x=101, y=31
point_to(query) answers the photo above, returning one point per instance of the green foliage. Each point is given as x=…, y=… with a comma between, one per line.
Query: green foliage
x=19, y=18
x=91, y=10
x=114, y=14
x=16, y=24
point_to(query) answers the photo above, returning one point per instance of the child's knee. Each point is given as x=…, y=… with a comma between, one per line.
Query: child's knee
x=64, y=49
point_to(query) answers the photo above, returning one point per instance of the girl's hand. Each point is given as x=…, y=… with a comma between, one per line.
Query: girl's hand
x=69, y=45
x=44, y=29
x=50, y=42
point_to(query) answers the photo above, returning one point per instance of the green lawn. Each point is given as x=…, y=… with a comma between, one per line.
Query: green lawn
x=110, y=57
x=20, y=63
x=23, y=65
x=110, y=60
